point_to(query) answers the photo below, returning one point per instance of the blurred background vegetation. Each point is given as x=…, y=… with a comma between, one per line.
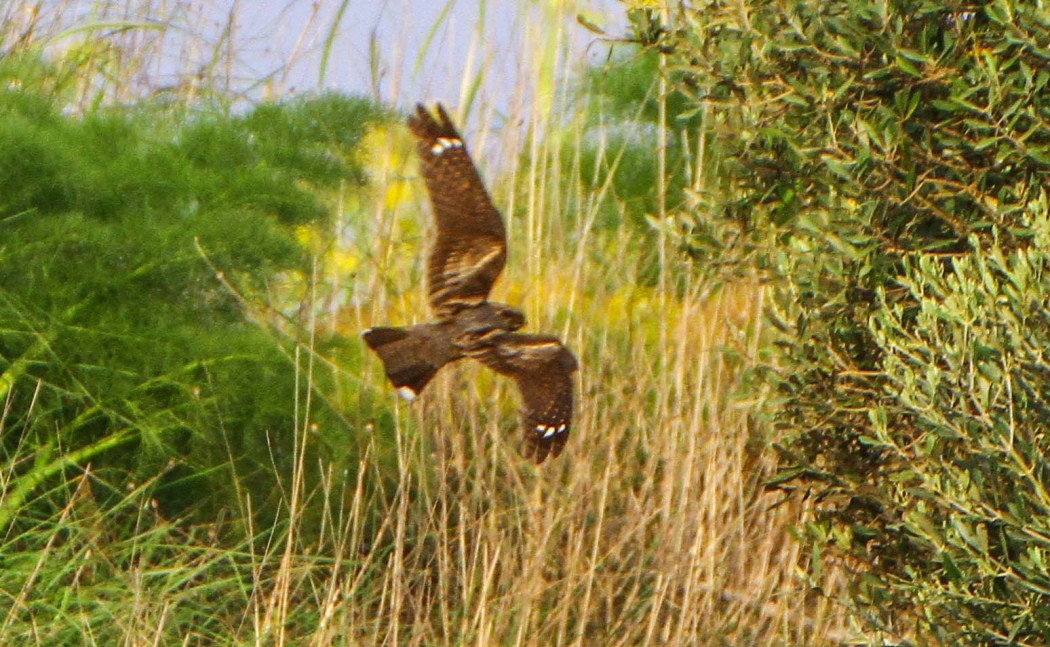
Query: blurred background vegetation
x=799, y=249
x=888, y=169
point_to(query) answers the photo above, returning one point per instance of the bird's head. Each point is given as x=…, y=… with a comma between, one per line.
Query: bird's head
x=477, y=327
x=488, y=315
x=512, y=318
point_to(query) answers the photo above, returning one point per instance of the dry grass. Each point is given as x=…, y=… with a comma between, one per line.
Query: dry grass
x=653, y=528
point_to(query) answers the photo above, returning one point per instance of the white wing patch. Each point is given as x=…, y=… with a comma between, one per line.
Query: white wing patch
x=407, y=393
x=550, y=430
x=445, y=143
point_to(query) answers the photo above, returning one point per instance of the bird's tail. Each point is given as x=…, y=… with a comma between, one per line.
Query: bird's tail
x=410, y=358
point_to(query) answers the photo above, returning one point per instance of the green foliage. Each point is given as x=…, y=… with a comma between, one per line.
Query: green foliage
x=617, y=154
x=620, y=150
x=888, y=164
x=70, y=571
x=119, y=347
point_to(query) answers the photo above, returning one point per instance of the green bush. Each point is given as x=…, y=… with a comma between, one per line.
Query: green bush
x=119, y=348
x=611, y=150
x=623, y=96
x=887, y=165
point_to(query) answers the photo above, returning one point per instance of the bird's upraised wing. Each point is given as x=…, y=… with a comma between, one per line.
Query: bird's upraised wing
x=471, y=246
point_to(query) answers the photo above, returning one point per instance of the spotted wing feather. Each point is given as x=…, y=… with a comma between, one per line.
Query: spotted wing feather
x=542, y=368
x=471, y=246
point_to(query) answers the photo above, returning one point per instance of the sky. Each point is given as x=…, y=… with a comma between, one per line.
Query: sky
x=402, y=51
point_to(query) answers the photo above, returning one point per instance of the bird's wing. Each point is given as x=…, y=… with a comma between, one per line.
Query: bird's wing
x=542, y=368
x=471, y=246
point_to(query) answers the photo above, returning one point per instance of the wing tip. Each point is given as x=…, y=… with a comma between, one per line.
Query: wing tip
x=430, y=125
x=546, y=441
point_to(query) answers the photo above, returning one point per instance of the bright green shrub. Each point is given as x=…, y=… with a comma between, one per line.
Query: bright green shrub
x=119, y=348
x=887, y=165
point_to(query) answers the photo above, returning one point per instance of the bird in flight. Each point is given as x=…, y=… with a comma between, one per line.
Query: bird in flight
x=467, y=256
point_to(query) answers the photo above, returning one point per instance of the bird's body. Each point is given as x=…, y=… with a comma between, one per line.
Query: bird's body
x=412, y=355
x=467, y=257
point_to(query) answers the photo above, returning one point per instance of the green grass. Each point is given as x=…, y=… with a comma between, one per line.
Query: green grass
x=395, y=524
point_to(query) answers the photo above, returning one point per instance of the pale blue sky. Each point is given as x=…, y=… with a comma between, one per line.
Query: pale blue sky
x=269, y=33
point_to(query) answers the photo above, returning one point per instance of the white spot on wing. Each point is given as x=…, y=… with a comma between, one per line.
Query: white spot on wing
x=550, y=431
x=443, y=144
x=407, y=393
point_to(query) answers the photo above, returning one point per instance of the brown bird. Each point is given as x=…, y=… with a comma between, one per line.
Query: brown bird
x=468, y=255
